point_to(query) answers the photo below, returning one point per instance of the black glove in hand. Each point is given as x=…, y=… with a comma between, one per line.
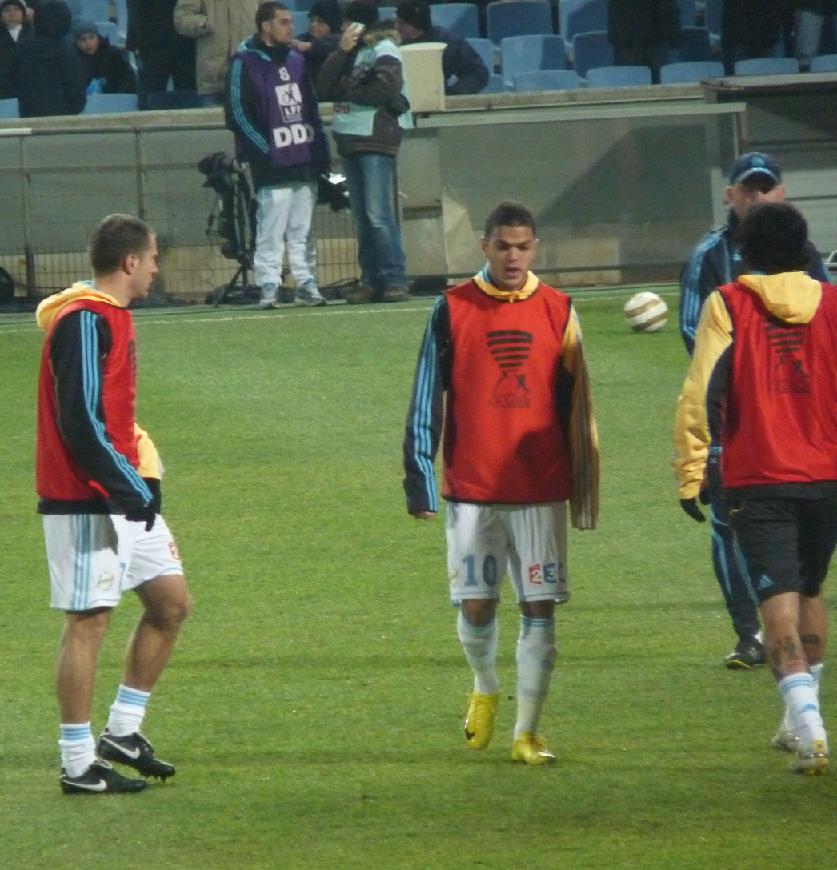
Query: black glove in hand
x=145, y=514
x=690, y=506
x=153, y=483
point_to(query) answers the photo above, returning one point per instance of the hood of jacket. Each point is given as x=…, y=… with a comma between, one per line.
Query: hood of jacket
x=53, y=305
x=792, y=297
x=52, y=20
x=379, y=31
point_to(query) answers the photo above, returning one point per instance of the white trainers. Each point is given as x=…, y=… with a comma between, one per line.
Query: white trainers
x=309, y=296
x=269, y=299
x=785, y=739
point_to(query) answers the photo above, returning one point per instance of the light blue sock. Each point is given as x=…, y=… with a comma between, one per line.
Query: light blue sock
x=536, y=654
x=800, y=696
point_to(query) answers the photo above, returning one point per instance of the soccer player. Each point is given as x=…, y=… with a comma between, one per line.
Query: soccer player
x=502, y=369
x=98, y=478
x=761, y=385
x=755, y=178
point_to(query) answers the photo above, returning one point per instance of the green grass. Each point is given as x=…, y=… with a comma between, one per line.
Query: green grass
x=314, y=704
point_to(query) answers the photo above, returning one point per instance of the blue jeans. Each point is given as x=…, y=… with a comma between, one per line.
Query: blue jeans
x=369, y=178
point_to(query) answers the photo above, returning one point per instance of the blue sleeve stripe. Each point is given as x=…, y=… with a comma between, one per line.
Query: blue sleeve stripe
x=691, y=300
x=238, y=110
x=423, y=414
x=91, y=391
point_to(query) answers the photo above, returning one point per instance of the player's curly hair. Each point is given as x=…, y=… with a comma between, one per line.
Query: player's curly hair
x=509, y=214
x=773, y=238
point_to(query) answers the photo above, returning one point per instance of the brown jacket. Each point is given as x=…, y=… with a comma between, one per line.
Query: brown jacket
x=219, y=26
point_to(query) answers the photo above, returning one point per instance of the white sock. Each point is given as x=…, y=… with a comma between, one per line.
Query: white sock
x=536, y=653
x=127, y=711
x=479, y=643
x=801, y=699
x=788, y=723
x=78, y=750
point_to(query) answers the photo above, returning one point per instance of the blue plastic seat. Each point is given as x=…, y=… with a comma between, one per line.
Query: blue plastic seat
x=618, y=76
x=386, y=12
x=824, y=63
x=690, y=71
x=485, y=49
x=174, y=100
x=109, y=104
x=459, y=18
x=547, y=80
x=94, y=10
x=767, y=66
x=301, y=22
x=713, y=12
x=520, y=54
x=496, y=84
x=517, y=18
x=9, y=108
x=688, y=13
x=590, y=50
x=583, y=16
x=694, y=44
x=302, y=6
x=111, y=31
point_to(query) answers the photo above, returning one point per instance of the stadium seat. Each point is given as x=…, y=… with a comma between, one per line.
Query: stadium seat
x=694, y=44
x=386, y=12
x=95, y=10
x=496, y=84
x=9, y=108
x=485, y=49
x=618, y=76
x=301, y=22
x=688, y=13
x=109, y=104
x=712, y=14
x=583, y=16
x=547, y=80
x=690, y=71
x=303, y=6
x=767, y=66
x=174, y=100
x=517, y=18
x=121, y=7
x=459, y=18
x=824, y=63
x=520, y=54
x=591, y=49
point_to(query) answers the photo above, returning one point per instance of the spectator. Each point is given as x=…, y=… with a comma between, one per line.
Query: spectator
x=14, y=28
x=219, y=26
x=106, y=68
x=271, y=108
x=47, y=75
x=749, y=28
x=162, y=53
x=642, y=32
x=810, y=17
x=462, y=67
x=365, y=79
x=322, y=36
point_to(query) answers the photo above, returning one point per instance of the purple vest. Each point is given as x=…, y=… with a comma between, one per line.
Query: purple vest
x=288, y=109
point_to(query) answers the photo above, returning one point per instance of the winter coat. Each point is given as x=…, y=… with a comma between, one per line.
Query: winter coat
x=642, y=22
x=359, y=89
x=111, y=65
x=820, y=7
x=459, y=62
x=151, y=28
x=321, y=48
x=8, y=50
x=47, y=75
x=753, y=23
x=219, y=26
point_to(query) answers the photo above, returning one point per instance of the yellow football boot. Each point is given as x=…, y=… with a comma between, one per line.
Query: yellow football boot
x=479, y=723
x=530, y=749
x=812, y=760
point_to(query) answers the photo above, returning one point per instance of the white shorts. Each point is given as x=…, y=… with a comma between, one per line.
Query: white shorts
x=529, y=540
x=94, y=558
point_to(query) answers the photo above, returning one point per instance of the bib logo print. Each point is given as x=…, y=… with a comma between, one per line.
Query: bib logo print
x=788, y=372
x=510, y=349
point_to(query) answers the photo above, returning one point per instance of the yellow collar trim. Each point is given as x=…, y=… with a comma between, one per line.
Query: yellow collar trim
x=532, y=284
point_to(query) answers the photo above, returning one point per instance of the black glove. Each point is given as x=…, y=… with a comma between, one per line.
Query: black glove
x=153, y=483
x=690, y=506
x=145, y=514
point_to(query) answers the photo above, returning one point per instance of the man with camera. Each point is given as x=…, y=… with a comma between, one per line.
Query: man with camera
x=272, y=110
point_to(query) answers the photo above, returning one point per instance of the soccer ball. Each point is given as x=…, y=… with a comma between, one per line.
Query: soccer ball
x=646, y=312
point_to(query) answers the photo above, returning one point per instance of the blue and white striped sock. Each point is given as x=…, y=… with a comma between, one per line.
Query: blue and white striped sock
x=77, y=747
x=536, y=654
x=127, y=711
x=479, y=643
x=800, y=696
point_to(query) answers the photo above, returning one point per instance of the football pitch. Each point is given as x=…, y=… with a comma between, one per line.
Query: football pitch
x=314, y=704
